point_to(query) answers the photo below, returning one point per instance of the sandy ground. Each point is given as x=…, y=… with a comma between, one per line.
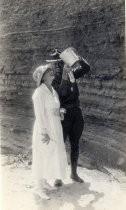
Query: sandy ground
x=99, y=191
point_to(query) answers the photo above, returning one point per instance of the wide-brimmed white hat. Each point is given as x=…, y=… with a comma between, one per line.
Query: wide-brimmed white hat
x=39, y=72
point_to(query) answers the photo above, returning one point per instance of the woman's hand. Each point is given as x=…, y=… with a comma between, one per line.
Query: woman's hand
x=45, y=138
x=62, y=112
x=61, y=116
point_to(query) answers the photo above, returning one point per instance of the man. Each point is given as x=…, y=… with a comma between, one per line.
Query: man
x=73, y=123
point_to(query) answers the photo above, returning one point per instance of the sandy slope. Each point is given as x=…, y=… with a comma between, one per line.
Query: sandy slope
x=99, y=192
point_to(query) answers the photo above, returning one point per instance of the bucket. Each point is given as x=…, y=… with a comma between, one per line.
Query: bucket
x=70, y=56
x=78, y=64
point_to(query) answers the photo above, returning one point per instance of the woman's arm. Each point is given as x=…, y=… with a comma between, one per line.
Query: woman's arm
x=39, y=109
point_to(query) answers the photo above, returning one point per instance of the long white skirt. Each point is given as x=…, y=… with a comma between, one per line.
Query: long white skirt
x=49, y=161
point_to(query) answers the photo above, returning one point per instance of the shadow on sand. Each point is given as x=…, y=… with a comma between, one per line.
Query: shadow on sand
x=73, y=196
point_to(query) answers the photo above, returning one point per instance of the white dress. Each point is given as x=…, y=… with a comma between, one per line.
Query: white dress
x=49, y=160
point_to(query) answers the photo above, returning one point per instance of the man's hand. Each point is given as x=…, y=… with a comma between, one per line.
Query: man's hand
x=71, y=77
x=66, y=70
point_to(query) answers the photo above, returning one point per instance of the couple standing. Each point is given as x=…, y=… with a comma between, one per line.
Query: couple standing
x=58, y=115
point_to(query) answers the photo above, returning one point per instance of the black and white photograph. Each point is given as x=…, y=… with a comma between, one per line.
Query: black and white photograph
x=62, y=105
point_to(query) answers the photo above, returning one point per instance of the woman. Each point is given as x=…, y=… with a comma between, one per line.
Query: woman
x=49, y=155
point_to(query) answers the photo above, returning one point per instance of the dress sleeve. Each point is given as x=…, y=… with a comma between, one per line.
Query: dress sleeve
x=39, y=110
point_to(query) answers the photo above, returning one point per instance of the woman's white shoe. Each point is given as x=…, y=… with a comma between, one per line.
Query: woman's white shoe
x=47, y=186
x=42, y=194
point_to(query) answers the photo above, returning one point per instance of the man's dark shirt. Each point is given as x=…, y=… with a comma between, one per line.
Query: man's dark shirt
x=68, y=91
x=68, y=94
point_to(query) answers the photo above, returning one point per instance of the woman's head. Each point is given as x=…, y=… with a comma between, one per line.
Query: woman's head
x=44, y=74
